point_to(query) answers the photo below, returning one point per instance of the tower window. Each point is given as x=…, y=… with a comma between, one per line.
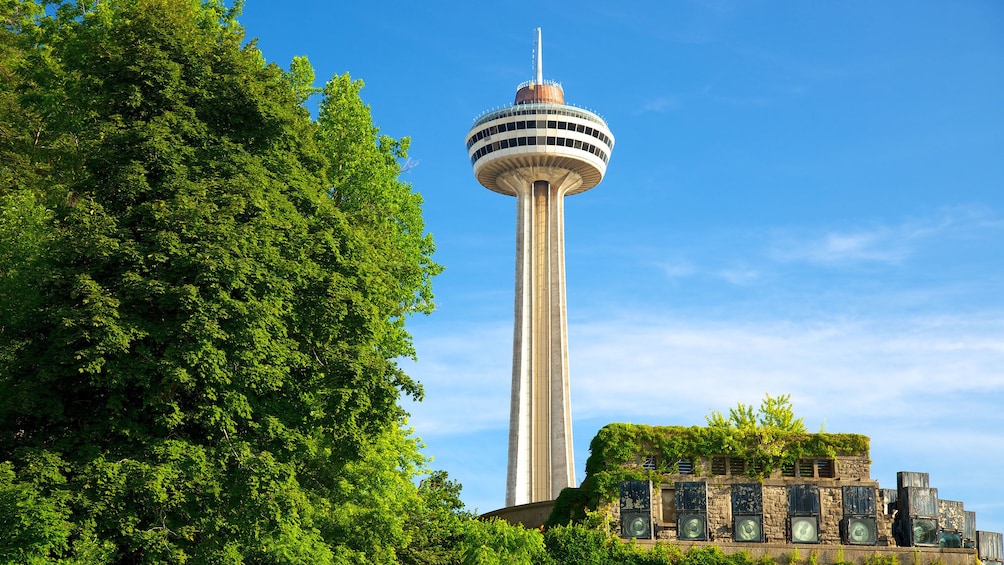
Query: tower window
x=553, y=124
x=521, y=125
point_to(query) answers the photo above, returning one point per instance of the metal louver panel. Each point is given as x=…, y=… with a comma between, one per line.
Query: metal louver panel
x=803, y=500
x=859, y=500
x=691, y=496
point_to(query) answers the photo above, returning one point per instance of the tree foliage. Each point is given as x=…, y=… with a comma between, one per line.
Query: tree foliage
x=202, y=297
x=775, y=414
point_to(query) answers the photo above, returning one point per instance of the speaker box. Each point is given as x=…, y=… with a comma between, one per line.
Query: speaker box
x=924, y=531
x=747, y=528
x=951, y=540
x=859, y=530
x=804, y=529
x=692, y=527
x=636, y=525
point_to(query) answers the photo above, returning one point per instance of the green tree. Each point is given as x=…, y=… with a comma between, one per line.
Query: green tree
x=437, y=525
x=775, y=413
x=199, y=316
x=496, y=542
x=766, y=437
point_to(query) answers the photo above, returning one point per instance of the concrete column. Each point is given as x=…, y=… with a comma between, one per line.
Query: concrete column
x=541, y=462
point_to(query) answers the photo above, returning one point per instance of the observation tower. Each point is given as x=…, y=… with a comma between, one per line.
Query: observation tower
x=539, y=150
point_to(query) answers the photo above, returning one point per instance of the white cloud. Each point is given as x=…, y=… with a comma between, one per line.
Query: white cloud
x=739, y=276
x=661, y=104
x=878, y=243
x=912, y=385
x=678, y=269
x=894, y=359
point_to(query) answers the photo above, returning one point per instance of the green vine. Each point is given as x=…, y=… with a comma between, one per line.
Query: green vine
x=616, y=448
x=768, y=440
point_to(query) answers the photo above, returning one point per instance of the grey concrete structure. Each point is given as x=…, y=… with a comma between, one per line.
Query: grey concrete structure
x=539, y=150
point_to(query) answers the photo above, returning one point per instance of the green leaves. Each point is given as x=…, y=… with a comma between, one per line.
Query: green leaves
x=198, y=333
x=766, y=440
x=775, y=414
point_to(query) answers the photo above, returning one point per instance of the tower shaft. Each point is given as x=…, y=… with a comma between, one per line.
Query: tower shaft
x=540, y=439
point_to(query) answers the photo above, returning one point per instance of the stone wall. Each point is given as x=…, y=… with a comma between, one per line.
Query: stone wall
x=775, y=509
x=854, y=468
x=531, y=515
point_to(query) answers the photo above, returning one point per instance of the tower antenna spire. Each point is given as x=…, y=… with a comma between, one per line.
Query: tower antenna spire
x=540, y=60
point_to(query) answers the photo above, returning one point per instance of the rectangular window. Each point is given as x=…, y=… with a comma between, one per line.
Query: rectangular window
x=649, y=463
x=825, y=468
x=578, y=144
x=511, y=126
x=668, y=506
x=589, y=131
x=788, y=470
x=580, y=128
x=521, y=141
x=551, y=140
x=531, y=141
x=561, y=125
x=805, y=468
x=541, y=124
x=492, y=130
x=719, y=466
x=553, y=124
x=521, y=125
x=684, y=467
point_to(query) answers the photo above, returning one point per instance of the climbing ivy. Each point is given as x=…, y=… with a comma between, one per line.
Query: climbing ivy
x=768, y=439
x=617, y=445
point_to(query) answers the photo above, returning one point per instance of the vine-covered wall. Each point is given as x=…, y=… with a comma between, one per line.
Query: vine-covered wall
x=615, y=450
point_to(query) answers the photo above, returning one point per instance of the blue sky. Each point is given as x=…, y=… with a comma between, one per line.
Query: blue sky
x=804, y=198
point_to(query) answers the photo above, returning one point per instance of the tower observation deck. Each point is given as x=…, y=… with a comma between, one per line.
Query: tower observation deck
x=539, y=150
